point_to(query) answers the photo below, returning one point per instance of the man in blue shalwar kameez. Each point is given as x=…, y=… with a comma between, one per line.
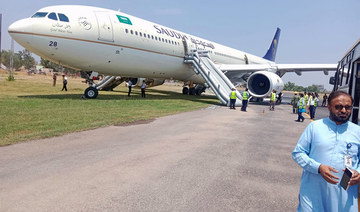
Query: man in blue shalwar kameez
x=322, y=151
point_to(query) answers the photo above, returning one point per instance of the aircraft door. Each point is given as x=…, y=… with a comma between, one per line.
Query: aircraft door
x=356, y=93
x=104, y=26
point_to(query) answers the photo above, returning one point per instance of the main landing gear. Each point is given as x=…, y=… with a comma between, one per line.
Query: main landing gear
x=91, y=93
x=197, y=90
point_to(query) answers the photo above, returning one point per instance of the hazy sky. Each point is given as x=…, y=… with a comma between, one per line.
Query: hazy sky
x=318, y=31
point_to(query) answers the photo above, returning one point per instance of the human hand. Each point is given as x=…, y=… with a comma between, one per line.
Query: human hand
x=354, y=178
x=325, y=172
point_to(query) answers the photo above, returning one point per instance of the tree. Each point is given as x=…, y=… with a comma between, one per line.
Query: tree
x=27, y=60
x=5, y=59
x=55, y=67
x=290, y=86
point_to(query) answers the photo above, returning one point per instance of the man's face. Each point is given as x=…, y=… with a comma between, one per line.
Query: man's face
x=340, y=109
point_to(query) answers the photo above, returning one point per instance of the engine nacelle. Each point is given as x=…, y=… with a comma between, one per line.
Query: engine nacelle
x=149, y=82
x=261, y=83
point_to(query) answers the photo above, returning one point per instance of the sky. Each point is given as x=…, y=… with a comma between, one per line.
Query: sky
x=318, y=31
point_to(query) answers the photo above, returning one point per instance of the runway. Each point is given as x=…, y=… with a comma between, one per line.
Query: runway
x=213, y=159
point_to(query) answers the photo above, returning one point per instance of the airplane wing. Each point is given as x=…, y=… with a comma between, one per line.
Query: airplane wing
x=261, y=79
x=281, y=69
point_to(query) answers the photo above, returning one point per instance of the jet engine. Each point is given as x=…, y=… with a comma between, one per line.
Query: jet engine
x=261, y=83
x=149, y=82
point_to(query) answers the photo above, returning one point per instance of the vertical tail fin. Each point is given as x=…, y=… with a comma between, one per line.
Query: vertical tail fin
x=271, y=53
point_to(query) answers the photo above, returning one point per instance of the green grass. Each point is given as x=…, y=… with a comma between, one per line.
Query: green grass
x=31, y=108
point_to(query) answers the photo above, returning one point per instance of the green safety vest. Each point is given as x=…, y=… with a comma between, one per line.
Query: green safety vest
x=233, y=95
x=315, y=102
x=301, y=105
x=245, y=95
x=273, y=97
x=306, y=97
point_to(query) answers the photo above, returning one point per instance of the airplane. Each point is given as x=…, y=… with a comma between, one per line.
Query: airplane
x=120, y=45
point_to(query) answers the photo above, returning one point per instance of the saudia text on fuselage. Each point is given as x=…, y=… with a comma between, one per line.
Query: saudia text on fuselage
x=178, y=35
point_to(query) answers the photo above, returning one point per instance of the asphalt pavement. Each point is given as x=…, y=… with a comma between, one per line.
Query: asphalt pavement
x=214, y=159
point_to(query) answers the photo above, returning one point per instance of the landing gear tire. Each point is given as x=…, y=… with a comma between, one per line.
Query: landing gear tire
x=198, y=92
x=185, y=90
x=192, y=91
x=91, y=93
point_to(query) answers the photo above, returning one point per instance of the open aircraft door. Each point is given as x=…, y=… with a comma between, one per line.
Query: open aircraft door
x=104, y=26
x=355, y=93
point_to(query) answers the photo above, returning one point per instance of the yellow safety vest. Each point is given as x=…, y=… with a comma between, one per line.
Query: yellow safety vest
x=245, y=95
x=273, y=97
x=306, y=97
x=233, y=95
x=301, y=104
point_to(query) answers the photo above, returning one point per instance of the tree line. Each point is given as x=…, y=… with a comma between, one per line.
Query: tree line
x=290, y=86
x=25, y=59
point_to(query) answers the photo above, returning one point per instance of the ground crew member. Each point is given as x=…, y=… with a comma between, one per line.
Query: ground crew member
x=273, y=100
x=245, y=97
x=324, y=100
x=313, y=101
x=54, y=79
x=65, y=81
x=306, y=98
x=129, y=84
x=294, y=102
x=143, y=86
x=301, y=107
x=232, y=98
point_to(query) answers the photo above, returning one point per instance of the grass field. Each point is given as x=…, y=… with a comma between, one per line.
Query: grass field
x=31, y=108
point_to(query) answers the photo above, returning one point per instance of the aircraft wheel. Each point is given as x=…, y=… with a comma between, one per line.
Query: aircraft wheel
x=198, y=92
x=91, y=93
x=192, y=91
x=185, y=90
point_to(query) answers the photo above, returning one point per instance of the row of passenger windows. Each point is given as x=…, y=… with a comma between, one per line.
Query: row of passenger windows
x=52, y=16
x=144, y=35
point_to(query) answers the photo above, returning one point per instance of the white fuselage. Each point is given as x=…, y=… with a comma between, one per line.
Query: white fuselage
x=115, y=43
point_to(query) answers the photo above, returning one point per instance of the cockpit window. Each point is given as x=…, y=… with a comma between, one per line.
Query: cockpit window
x=39, y=15
x=53, y=16
x=63, y=17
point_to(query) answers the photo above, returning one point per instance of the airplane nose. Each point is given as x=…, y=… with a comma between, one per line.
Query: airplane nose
x=20, y=26
x=21, y=31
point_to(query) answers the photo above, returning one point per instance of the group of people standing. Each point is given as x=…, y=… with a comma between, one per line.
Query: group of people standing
x=306, y=103
x=143, y=86
x=245, y=98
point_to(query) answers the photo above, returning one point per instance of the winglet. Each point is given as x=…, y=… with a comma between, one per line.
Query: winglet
x=271, y=53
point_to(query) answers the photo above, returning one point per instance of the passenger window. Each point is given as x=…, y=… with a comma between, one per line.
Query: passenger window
x=126, y=30
x=53, y=16
x=39, y=15
x=136, y=33
x=63, y=17
x=140, y=34
x=131, y=32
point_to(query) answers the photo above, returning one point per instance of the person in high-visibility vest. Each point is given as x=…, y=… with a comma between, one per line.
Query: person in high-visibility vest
x=306, y=98
x=313, y=101
x=301, y=106
x=232, y=98
x=245, y=97
x=273, y=100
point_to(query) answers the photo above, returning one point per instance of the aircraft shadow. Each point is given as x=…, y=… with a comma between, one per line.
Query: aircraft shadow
x=152, y=94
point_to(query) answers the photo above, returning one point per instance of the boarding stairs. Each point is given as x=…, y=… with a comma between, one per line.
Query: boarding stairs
x=214, y=77
x=108, y=83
